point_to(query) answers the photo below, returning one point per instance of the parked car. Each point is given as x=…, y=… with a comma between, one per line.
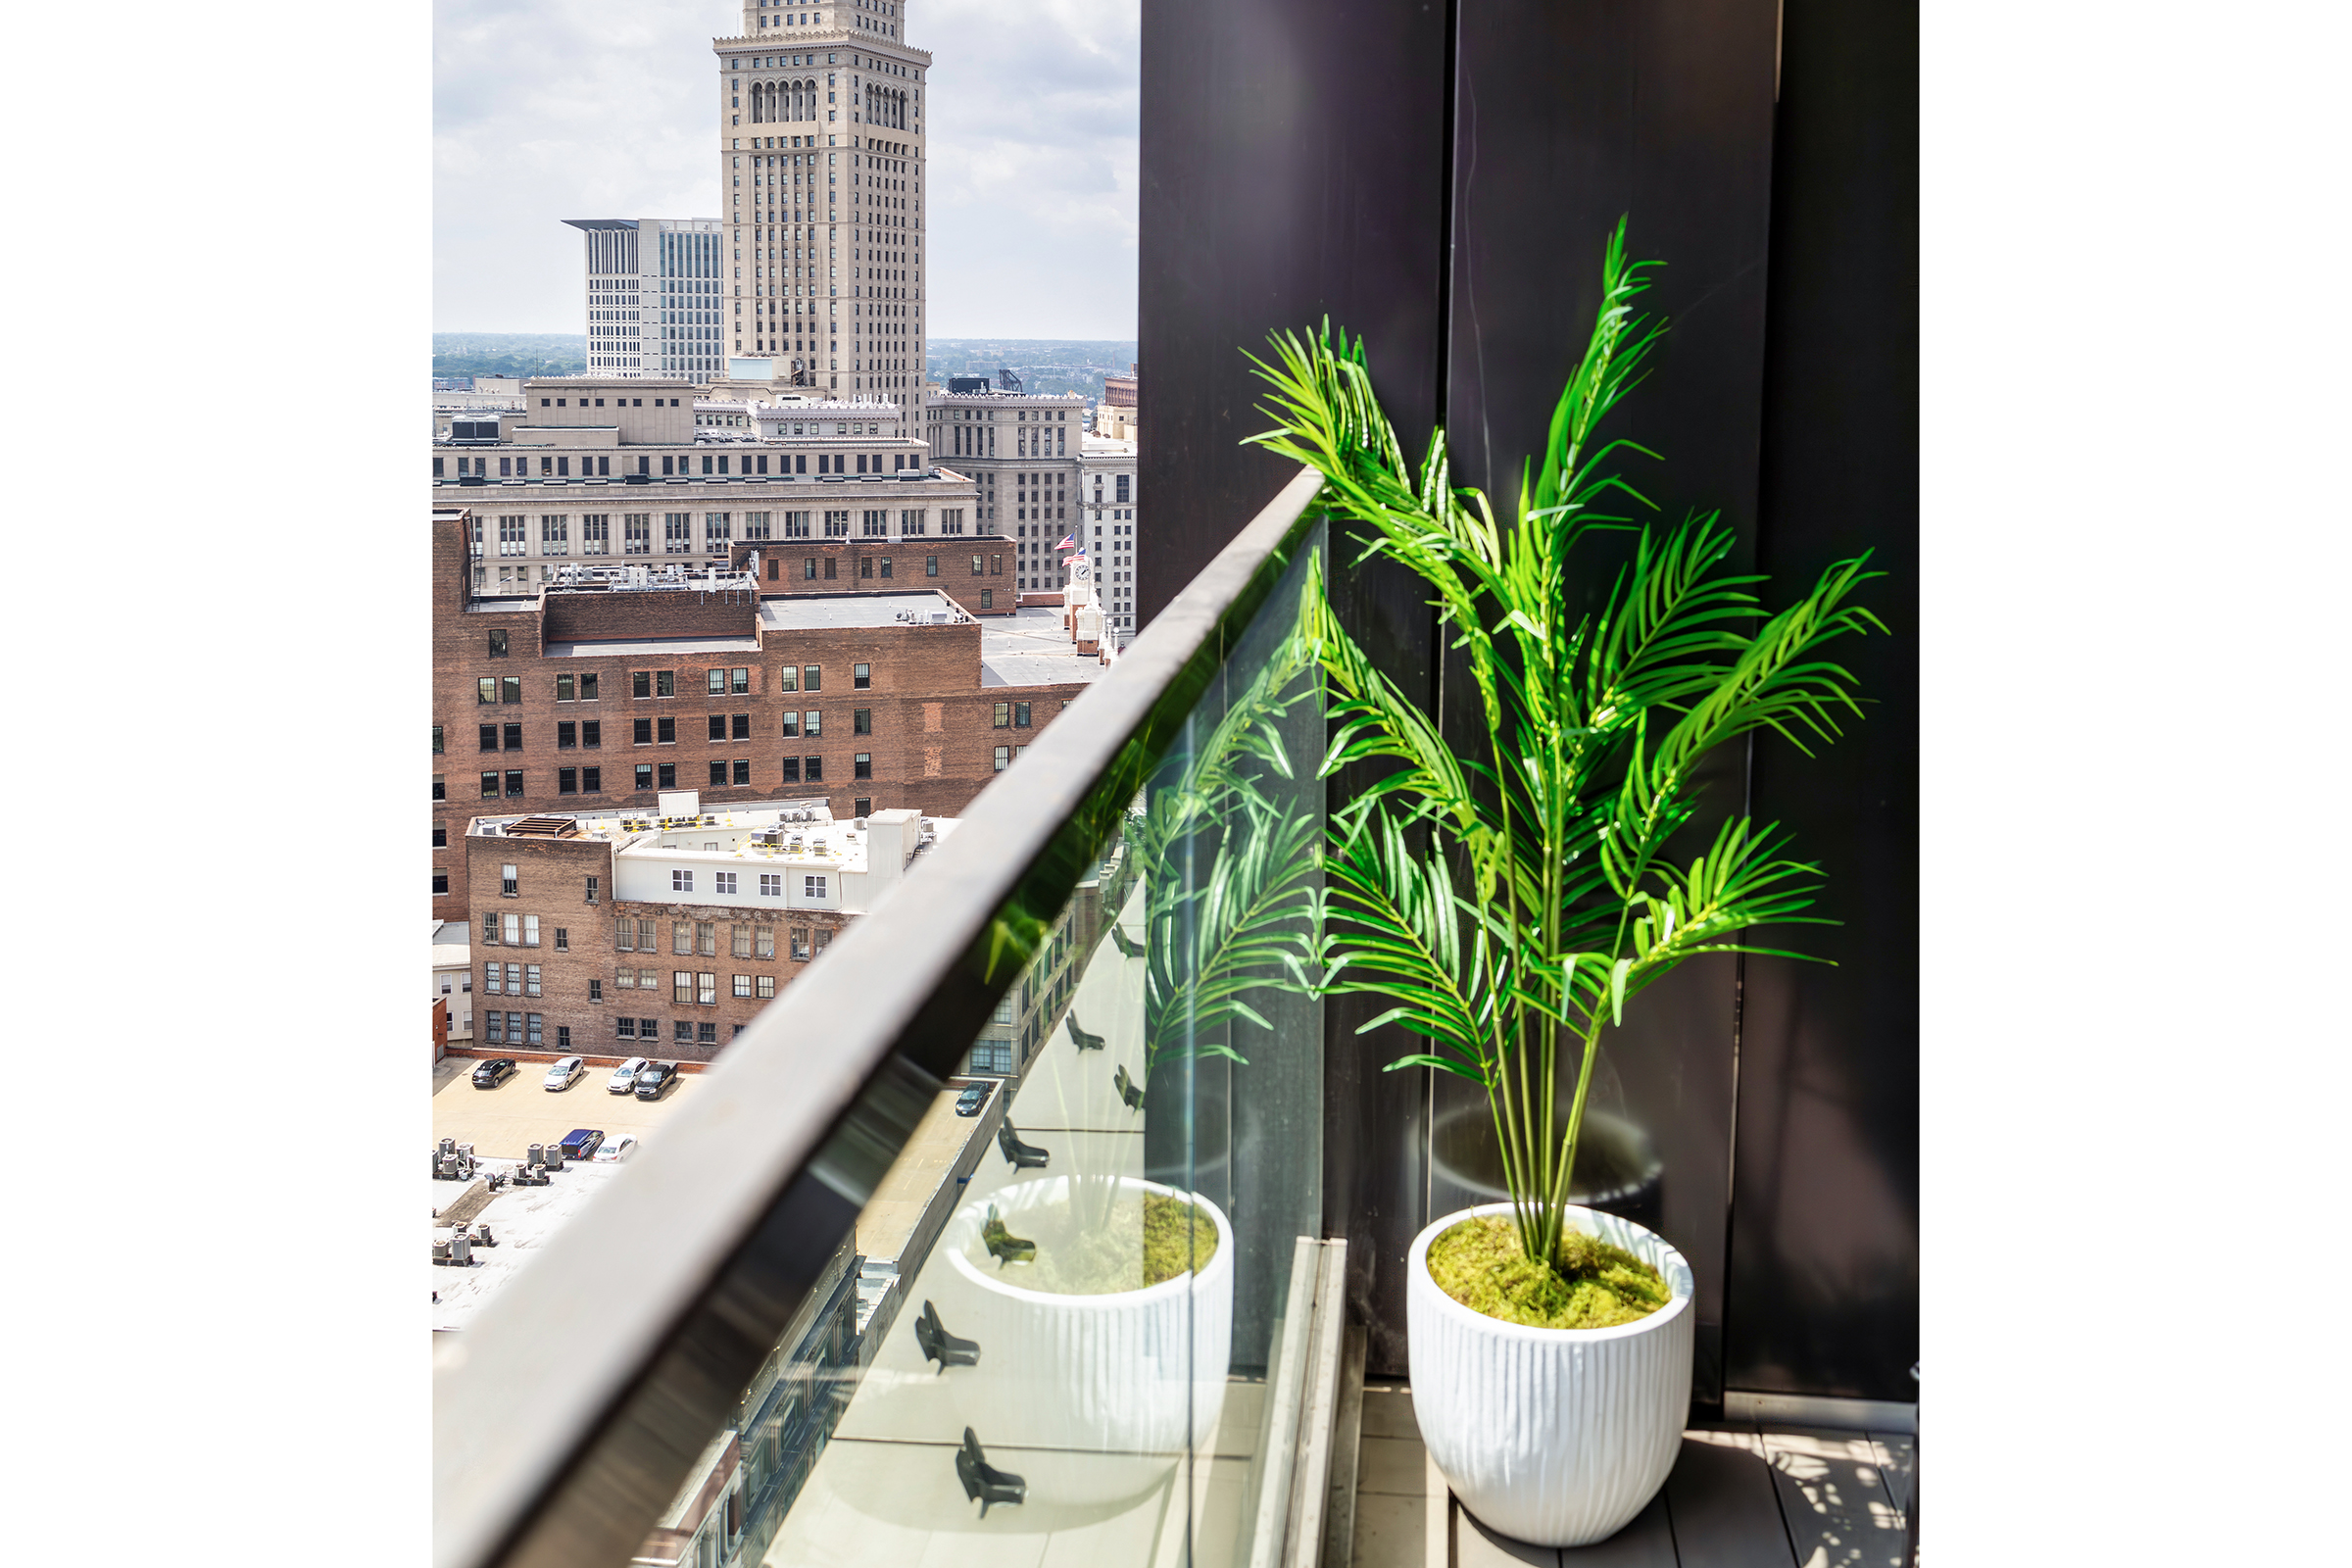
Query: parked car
x=968, y=1102
x=490, y=1074
x=625, y=1076
x=582, y=1143
x=562, y=1075
x=619, y=1149
x=654, y=1078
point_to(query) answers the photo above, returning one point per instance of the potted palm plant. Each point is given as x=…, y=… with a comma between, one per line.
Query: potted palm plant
x=1512, y=903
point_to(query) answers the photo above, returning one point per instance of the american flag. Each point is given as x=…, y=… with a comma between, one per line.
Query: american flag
x=1070, y=540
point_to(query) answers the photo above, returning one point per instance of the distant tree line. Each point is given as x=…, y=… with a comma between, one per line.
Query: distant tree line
x=510, y=354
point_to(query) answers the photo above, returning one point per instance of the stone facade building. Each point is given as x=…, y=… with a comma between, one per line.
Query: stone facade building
x=1023, y=453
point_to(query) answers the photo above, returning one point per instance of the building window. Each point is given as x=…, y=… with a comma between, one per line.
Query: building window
x=667, y=774
x=930, y=565
x=440, y=881
x=772, y=885
x=764, y=987
x=681, y=936
x=813, y=769
x=593, y=884
x=440, y=787
x=563, y=939
x=706, y=990
x=743, y=985
x=1003, y=715
x=682, y=987
x=645, y=775
x=1020, y=715
x=515, y=782
x=508, y=883
x=861, y=677
x=530, y=979
x=568, y=781
x=1004, y=757
x=624, y=1028
x=705, y=1034
x=812, y=887
x=725, y=881
x=682, y=881
x=863, y=805
x=437, y=738
x=813, y=678
x=800, y=943
x=861, y=722
x=861, y=766
x=791, y=770
x=489, y=786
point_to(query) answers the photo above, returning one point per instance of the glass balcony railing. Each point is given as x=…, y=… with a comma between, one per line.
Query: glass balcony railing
x=916, y=1268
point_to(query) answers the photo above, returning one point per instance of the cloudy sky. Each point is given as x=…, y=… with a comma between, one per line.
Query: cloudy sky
x=545, y=110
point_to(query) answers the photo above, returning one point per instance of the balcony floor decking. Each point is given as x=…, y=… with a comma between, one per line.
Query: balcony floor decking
x=1742, y=1495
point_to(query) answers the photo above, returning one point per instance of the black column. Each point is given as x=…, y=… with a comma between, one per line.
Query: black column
x=1824, y=1231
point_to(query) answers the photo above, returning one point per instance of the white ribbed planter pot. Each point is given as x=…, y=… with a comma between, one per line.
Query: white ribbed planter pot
x=1555, y=1437
x=1140, y=1372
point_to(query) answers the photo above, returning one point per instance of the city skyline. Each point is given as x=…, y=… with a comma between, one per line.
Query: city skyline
x=546, y=113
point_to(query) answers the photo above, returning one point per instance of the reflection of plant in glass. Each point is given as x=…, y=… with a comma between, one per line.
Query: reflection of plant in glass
x=1228, y=864
x=1594, y=730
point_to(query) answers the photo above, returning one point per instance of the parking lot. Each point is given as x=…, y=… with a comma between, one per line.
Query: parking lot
x=503, y=1123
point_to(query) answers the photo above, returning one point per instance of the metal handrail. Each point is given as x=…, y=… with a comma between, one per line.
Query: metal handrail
x=569, y=1410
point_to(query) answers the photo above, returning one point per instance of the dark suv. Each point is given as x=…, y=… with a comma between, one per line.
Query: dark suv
x=490, y=1074
x=655, y=1077
x=968, y=1102
x=582, y=1143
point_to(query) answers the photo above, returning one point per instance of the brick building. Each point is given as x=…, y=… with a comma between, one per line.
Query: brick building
x=610, y=934
x=600, y=694
x=661, y=935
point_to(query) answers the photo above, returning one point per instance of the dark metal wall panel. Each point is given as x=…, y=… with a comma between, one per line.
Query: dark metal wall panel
x=1825, y=1243
x=1567, y=117
x=1293, y=167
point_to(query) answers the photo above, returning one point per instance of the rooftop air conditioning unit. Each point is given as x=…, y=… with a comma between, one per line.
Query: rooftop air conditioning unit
x=538, y=1154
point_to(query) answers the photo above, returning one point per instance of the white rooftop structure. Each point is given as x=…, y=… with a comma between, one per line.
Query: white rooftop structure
x=776, y=855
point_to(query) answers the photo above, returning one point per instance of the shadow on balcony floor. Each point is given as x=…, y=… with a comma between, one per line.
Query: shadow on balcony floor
x=1741, y=1495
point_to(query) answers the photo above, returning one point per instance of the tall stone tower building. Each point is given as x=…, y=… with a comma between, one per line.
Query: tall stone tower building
x=820, y=114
